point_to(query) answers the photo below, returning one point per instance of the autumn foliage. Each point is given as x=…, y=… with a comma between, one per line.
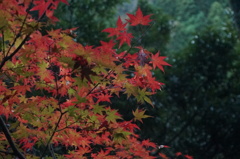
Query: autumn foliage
x=56, y=93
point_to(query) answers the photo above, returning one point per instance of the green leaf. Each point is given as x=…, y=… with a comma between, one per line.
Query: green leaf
x=67, y=60
x=98, y=109
x=72, y=92
x=80, y=99
x=119, y=135
x=139, y=115
x=142, y=96
x=112, y=116
x=71, y=110
x=131, y=90
x=79, y=82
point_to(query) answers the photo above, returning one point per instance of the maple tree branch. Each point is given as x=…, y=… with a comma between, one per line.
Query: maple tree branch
x=19, y=33
x=53, y=133
x=3, y=44
x=5, y=59
x=92, y=89
x=49, y=6
x=10, y=140
x=57, y=89
x=48, y=146
x=59, y=119
x=66, y=127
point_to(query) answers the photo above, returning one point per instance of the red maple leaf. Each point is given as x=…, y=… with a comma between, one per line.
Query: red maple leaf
x=178, y=154
x=107, y=46
x=44, y=6
x=21, y=89
x=125, y=38
x=116, y=31
x=129, y=126
x=154, y=84
x=147, y=143
x=163, y=156
x=139, y=18
x=104, y=98
x=101, y=154
x=49, y=14
x=157, y=61
x=188, y=157
x=41, y=7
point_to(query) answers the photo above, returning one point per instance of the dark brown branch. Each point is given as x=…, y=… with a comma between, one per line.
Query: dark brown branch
x=3, y=44
x=10, y=140
x=5, y=59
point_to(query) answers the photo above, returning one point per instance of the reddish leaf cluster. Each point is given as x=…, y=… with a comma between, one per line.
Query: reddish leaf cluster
x=53, y=89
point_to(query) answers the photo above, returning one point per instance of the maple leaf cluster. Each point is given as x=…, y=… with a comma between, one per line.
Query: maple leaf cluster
x=56, y=93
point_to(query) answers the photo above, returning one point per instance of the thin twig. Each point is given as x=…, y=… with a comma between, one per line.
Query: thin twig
x=51, y=137
x=5, y=59
x=59, y=119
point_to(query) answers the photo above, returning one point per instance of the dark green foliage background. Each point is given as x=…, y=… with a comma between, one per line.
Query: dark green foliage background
x=91, y=16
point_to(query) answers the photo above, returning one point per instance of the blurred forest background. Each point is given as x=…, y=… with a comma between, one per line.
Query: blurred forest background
x=198, y=110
